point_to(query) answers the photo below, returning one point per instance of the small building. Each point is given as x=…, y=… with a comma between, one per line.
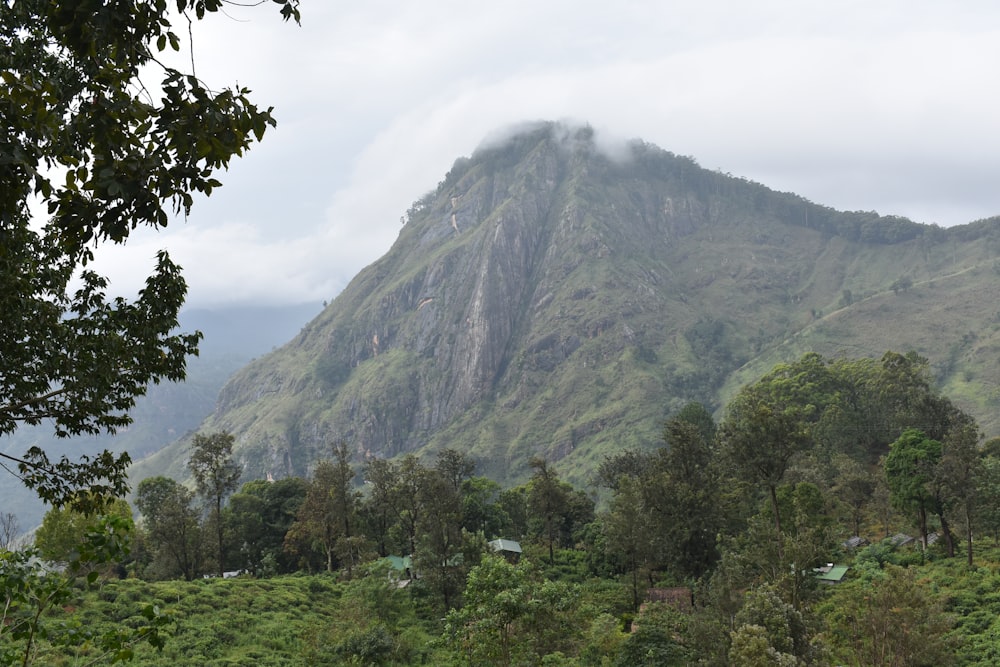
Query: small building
x=399, y=563
x=830, y=573
x=509, y=549
x=855, y=542
x=900, y=539
x=401, y=569
x=680, y=597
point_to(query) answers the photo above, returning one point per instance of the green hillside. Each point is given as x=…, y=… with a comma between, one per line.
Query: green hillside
x=547, y=300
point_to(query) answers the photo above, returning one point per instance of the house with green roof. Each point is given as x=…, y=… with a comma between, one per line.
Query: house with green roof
x=830, y=573
x=509, y=549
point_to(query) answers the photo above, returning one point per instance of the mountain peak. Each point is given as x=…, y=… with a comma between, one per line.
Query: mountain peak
x=560, y=297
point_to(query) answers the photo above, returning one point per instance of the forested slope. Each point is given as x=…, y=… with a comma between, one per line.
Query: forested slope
x=546, y=299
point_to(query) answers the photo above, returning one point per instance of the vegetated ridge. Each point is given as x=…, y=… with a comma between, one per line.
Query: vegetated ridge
x=549, y=299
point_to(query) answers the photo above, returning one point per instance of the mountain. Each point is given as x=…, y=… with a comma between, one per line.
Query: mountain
x=233, y=336
x=550, y=299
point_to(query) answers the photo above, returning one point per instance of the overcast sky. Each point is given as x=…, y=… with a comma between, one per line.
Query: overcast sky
x=878, y=105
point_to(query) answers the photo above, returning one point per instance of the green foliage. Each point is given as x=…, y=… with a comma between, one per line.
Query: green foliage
x=555, y=510
x=37, y=624
x=327, y=518
x=658, y=638
x=782, y=625
x=445, y=551
x=480, y=508
x=286, y=622
x=892, y=619
x=661, y=282
x=216, y=475
x=698, y=416
x=171, y=524
x=64, y=530
x=259, y=517
x=685, y=497
x=909, y=468
x=510, y=616
x=988, y=489
x=763, y=430
x=85, y=140
x=678, y=516
x=751, y=646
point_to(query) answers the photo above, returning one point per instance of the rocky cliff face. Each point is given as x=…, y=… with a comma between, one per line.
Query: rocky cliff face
x=547, y=299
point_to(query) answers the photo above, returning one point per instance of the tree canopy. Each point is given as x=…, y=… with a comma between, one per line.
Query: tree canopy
x=88, y=139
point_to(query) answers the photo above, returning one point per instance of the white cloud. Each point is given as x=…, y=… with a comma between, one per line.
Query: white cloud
x=886, y=106
x=229, y=263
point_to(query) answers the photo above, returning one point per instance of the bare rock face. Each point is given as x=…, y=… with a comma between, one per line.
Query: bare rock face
x=548, y=299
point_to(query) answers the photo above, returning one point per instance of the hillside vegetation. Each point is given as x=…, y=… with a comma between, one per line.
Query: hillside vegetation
x=548, y=300
x=312, y=620
x=844, y=512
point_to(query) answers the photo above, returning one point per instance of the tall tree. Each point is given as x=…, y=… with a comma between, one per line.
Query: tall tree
x=216, y=475
x=760, y=437
x=481, y=511
x=171, y=522
x=378, y=508
x=854, y=486
x=455, y=467
x=259, y=516
x=328, y=515
x=775, y=622
x=441, y=554
x=628, y=463
x=909, y=471
x=698, y=416
x=488, y=629
x=547, y=501
x=987, y=492
x=82, y=137
x=513, y=505
x=409, y=504
x=684, y=496
x=344, y=495
x=511, y=617
x=956, y=476
x=628, y=533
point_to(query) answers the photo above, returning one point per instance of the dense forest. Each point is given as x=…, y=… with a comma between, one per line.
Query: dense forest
x=843, y=511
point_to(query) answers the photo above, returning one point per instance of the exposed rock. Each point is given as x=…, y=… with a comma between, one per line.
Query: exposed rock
x=532, y=304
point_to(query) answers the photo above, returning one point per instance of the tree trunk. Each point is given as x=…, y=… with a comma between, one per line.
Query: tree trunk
x=922, y=520
x=946, y=533
x=635, y=586
x=968, y=534
x=777, y=520
x=550, y=531
x=220, y=533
